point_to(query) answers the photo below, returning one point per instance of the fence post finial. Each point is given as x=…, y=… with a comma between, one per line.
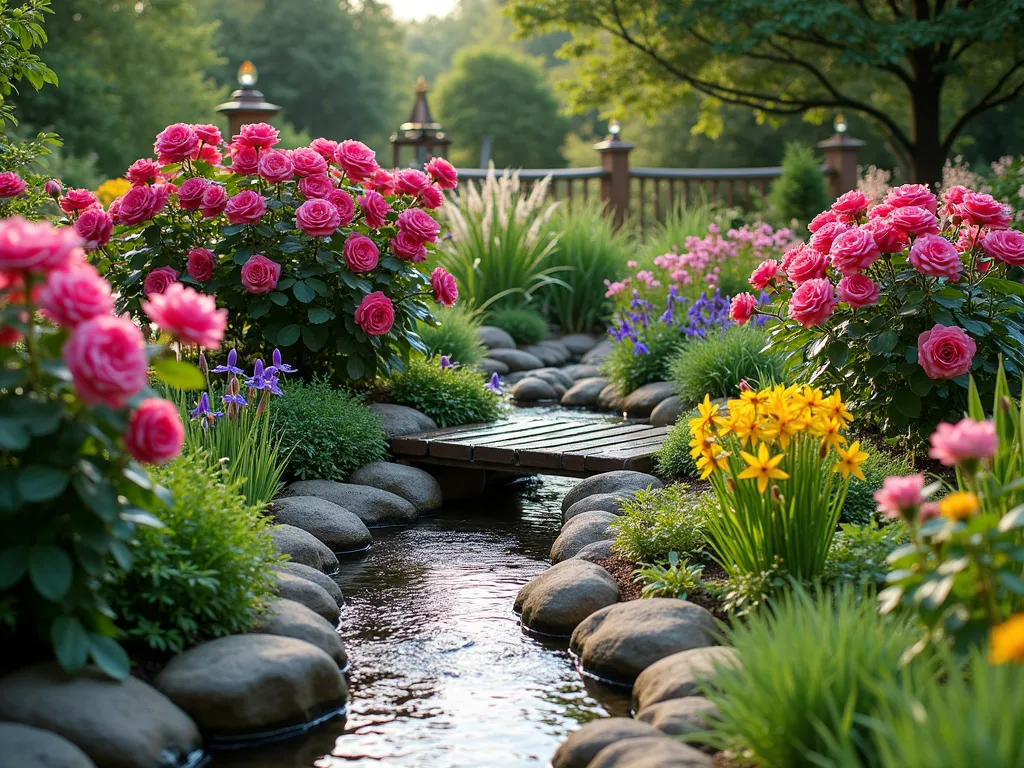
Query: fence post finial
x=615, y=164
x=840, y=153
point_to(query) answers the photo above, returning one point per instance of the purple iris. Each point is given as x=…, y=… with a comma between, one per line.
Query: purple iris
x=639, y=348
x=230, y=367
x=235, y=400
x=202, y=412
x=446, y=361
x=263, y=379
x=278, y=366
x=495, y=383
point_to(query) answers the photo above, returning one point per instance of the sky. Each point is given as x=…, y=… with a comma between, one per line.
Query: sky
x=407, y=10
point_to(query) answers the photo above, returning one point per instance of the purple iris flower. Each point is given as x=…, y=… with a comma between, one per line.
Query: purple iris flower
x=230, y=367
x=235, y=400
x=203, y=413
x=495, y=383
x=639, y=348
x=278, y=366
x=263, y=379
x=446, y=361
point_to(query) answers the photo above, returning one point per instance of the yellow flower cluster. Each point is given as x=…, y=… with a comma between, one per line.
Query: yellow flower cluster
x=768, y=421
x=112, y=189
x=1007, y=641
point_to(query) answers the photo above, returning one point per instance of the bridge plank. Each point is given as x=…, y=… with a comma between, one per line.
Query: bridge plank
x=505, y=449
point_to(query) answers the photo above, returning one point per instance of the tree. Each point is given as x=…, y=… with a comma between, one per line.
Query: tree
x=21, y=31
x=922, y=70
x=506, y=97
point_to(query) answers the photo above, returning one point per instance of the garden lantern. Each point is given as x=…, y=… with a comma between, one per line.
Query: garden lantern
x=247, y=104
x=421, y=131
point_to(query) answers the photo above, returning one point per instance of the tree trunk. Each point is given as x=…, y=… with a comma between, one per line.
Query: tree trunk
x=926, y=155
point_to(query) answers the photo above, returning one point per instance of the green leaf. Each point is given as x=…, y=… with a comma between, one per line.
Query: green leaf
x=109, y=656
x=908, y=403
x=70, y=642
x=38, y=482
x=100, y=497
x=290, y=245
x=179, y=374
x=1005, y=286
x=314, y=337
x=920, y=383
x=288, y=335
x=13, y=565
x=1011, y=520
x=1012, y=582
x=303, y=292
x=883, y=343
x=319, y=315
x=232, y=229
x=13, y=436
x=838, y=353
x=259, y=310
x=355, y=368
x=975, y=327
x=50, y=569
x=279, y=298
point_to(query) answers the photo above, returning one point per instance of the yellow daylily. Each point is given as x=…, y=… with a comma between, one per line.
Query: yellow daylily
x=713, y=456
x=850, y=460
x=708, y=417
x=763, y=467
x=810, y=397
x=959, y=506
x=1006, y=641
x=834, y=406
x=829, y=431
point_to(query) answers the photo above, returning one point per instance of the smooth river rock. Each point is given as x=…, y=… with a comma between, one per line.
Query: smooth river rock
x=334, y=525
x=516, y=359
x=117, y=723
x=611, y=399
x=559, y=347
x=495, y=338
x=308, y=593
x=609, y=482
x=578, y=371
x=666, y=413
x=582, y=530
x=597, y=354
x=564, y=595
x=679, y=717
x=304, y=548
x=599, y=502
x=679, y=675
x=533, y=388
x=599, y=550
x=583, y=745
x=660, y=752
x=640, y=402
x=398, y=420
x=288, y=618
x=22, y=746
x=315, y=575
x=579, y=344
x=584, y=392
x=619, y=642
x=415, y=485
x=489, y=366
x=554, y=376
x=245, y=684
x=371, y=505
x=546, y=355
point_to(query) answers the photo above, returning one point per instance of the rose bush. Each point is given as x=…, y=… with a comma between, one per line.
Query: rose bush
x=901, y=302
x=315, y=248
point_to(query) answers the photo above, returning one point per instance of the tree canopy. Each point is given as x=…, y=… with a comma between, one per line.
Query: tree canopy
x=21, y=31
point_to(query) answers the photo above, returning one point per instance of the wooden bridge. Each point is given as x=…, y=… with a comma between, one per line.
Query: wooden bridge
x=537, y=446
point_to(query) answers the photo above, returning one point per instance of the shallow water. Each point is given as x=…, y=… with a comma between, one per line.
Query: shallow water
x=442, y=675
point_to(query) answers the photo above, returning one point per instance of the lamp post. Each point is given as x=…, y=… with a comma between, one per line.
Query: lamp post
x=247, y=104
x=840, y=153
x=421, y=131
x=615, y=163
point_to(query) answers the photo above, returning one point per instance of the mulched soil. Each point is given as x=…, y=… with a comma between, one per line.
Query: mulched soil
x=621, y=571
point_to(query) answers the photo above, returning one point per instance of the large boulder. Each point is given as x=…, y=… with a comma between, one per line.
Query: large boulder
x=495, y=338
x=288, y=618
x=559, y=347
x=599, y=550
x=335, y=526
x=314, y=597
x=582, y=530
x=679, y=675
x=415, y=485
x=546, y=355
x=679, y=717
x=597, y=354
x=22, y=746
x=318, y=577
x=304, y=548
x=666, y=413
x=609, y=482
x=556, y=377
x=583, y=745
x=564, y=595
x=533, y=388
x=659, y=752
x=459, y=483
x=117, y=723
x=246, y=684
x=640, y=402
x=398, y=420
x=489, y=366
x=619, y=642
x=611, y=399
x=371, y=505
x=579, y=344
x=584, y=392
x=602, y=502
x=578, y=371
x=516, y=359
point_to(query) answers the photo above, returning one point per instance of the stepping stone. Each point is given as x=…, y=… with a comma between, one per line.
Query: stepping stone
x=609, y=482
x=579, y=344
x=495, y=338
x=666, y=413
x=659, y=752
x=489, y=366
x=640, y=402
x=288, y=618
x=308, y=593
x=679, y=675
x=584, y=392
x=582, y=530
x=583, y=745
x=415, y=485
x=679, y=717
x=516, y=359
x=564, y=595
x=579, y=371
x=531, y=389
x=318, y=577
x=28, y=747
x=598, y=353
x=335, y=526
x=398, y=420
x=304, y=548
x=611, y=399
x=601, y=502
x=371, y=505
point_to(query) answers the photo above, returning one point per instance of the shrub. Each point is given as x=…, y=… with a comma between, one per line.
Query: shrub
x=629, y=366
x=451, y=396
x=526, y=326
x=456, y=336
x=674, y=579
x=716, y=365
x=673, y=458
x=858, y=553
x=326, y=432
x=205, y=572
x=658, y=521
x=800, y=192
x=860, y=507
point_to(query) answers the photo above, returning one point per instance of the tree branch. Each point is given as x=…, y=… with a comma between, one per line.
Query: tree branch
x=985, y=103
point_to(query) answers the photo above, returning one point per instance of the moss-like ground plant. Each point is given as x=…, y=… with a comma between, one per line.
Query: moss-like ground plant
x=450, y=396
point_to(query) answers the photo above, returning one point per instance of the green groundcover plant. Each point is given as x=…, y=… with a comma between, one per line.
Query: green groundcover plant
x=658, y=521
x=456, y=336
x=451, y=395
x=525, y=325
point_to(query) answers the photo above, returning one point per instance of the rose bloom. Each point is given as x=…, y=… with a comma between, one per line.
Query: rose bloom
x=200, y=264
x=324, y=147
x=431, y=197
x=158, y=280
x=11, y=184
x=806, y=264
x=308, y=162
x=346, y=206
x=191, y=316
x=881, y=211
x=143, y=171
x=982, y=210
x=244, y=160
x=375, y=209
x=443, y=173
x=72, y=296
x=967, y=440
x=951, y=198
x=77, y=200
x=208, y=153
x=853, y=251
x=360, y=253
x=318, y=186
x=851, y=204
x=375, y=314
x=94, y=226
x=176, y=143
x=407, y=247
x=275, y=166
x=913, y=195
x=215, y=200
x=155, y=433
x=383, y=181
x=411, y=181
x=419, y=224
x=887, y=236
x=823, y=218
x=35, y=245
x=256, y=136
x=935, y=256
x=764, y=273
x=356, y=159
x=247, y=207
x=318, y=218
x=135, y=206
x=446, y=291
x=969, y=238
x=787, y=257
x=159, y=194
x=106, y=356
x=915, y=221
x=858, y=291
x=900, y=494
x=945, y=352
x=1006, y=245
x=190, y=193
x=260, y=274
x=742, y=308
x=812, y=302
x=208, y=134
x=821, y=240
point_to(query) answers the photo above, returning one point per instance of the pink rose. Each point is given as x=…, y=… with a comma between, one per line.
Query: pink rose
x=966, y=441
x=318, y=218
x=361, y=253
x=256, y=136
x=764, y=273
x=72, y=296
x=190, y=316
x=135, y=207
x=407, y=247
x=805, y=264
x=247, y=207
x=952, y=197
x=982, y=210
x=318, y=186
x=375, y=314
x=431, y=197
x=853, y=251
x=159, y=194
x=77, y=200
x=260, y=274
x=176, y=143
x=411, y=181
x=346, y=206
x=190, y=193
x=788, y=257
x=419, y=224
x=812, y=302
x=935, y=256
x=858, y=291
x=308, y=162
x=94, y=226
x=969, y=238
x=945, y=352
x=881, y=211
x=106, y=356
x=851, y=205
x=158, y=280
x=11, y=184
x=200, y=264
x=821, y=240
x=209, y=153
x=244, y=160
x=742, y=308
x=35, y=245
x=888, y=237
x=324, y=147
x=913, y=195
x=53, y=188
x=275, y=166
x=383, y=181
x=215, y=200
x=155, y=433
x=823, y=218
x=442, y=172
x=375, y=209
x=446, y=291
x=208, y=134
x=356, y=159
x=1006, y=245
x=915, y=221
x=143, y=171
x=900, y=494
